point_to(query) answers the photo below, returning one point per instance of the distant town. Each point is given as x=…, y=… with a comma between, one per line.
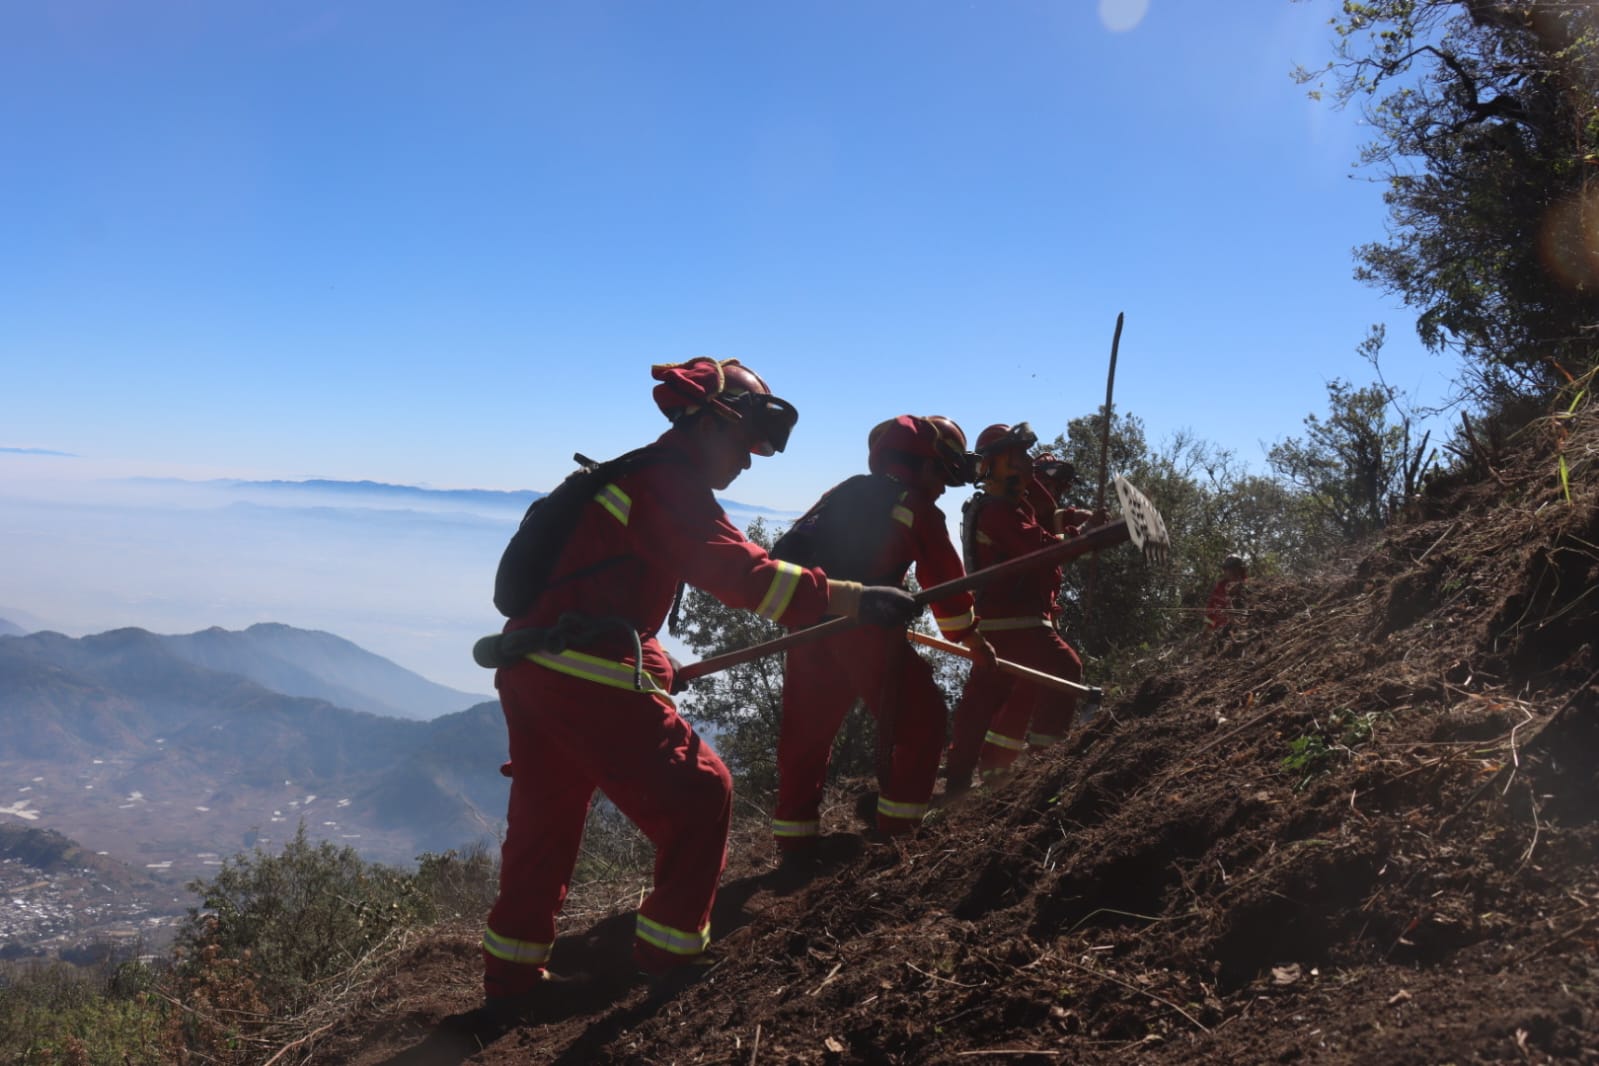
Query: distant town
x=77, y=914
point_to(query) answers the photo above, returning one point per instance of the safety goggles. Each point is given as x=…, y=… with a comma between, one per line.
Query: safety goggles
x=1020, y=435
x=765, y=420
x=958, y=467
x=1056, y=470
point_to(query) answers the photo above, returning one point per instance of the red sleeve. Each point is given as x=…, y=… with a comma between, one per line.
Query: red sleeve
x=1010, y=534
x=689, y=531
x=1043, y=501
x=938, y=562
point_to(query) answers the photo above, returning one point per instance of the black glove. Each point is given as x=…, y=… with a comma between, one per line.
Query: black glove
x=887, y=605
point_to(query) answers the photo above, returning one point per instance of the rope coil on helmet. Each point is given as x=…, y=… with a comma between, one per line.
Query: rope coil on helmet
x=732, y=390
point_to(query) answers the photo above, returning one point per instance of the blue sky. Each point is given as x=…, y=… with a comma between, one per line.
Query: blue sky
x=441, y=244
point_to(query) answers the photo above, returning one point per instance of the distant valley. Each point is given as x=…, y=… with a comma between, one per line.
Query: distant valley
x=170, y=754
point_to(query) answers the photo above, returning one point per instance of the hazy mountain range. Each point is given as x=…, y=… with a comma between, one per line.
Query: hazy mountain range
x=174, y=752
x=295, y=662
x=404, y=571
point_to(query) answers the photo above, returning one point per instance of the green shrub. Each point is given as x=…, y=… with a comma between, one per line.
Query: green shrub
x=60, y=1014
x=458, y=884
x=1315, y=752
x=268, y=935
x=296, y=917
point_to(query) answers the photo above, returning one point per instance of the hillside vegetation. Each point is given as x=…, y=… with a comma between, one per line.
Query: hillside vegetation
x=1362, y=830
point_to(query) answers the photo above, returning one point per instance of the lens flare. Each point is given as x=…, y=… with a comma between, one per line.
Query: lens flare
x=1119, y=16
x=1569, y=242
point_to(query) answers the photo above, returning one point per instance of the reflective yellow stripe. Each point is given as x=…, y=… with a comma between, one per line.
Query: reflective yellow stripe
x=991, y=773
x=956, y=622
x=783, y=828
x=904, y=515
x=984, y=538
x=1043, y=740
x=525, y=952
x=999, y=625
x=913, y=812
x=614, y=500
x=1000, y=740
x=674, y=940
x=784, y=584
x=605, y=672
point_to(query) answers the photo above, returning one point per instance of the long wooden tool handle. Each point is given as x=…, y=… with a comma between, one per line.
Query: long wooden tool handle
x=761, y=650
x=1096, y=539
x=1038, y=677
x=1086, y=605
x=1104, y=437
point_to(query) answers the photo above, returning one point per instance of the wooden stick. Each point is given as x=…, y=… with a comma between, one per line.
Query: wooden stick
x=1038, y=677
x=1104, y=437
x=1104, y=464
x=763, y=649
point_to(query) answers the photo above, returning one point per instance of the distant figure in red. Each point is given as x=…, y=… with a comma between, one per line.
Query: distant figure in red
x=1226, y=602
x=872, y=528
x=998, y=718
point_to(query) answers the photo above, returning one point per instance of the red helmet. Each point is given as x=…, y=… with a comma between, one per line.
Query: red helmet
x=1000, y=448
x=1000, y=436
x=733, y=391
x=1056, y=474
x=900, y=442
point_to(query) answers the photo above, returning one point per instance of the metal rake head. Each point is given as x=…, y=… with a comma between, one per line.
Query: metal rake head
x=1145, y=527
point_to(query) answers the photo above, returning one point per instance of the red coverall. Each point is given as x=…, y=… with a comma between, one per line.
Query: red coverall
x=1043, y=503
x=993, y=716
x=1219, y=608
x=823, y=679
x=577, y=723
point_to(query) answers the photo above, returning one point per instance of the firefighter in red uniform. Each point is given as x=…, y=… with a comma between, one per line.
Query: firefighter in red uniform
x=1226, y=602
x=1052, y=479
x=1046, y=493
x=598, y=714
x=872, y=528
x=997, y=717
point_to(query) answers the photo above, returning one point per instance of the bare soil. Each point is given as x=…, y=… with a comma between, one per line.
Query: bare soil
x=1362, y=829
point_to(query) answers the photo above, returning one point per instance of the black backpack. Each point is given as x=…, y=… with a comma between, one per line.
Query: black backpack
x=845, y=530
x=969, y=512
x=525, y=566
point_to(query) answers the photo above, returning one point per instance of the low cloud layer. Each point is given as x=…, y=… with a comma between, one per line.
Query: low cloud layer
x=404, y=572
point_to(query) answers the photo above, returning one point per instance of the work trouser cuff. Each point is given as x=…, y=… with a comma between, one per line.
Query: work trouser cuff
x=896, y=819
x=501, y=978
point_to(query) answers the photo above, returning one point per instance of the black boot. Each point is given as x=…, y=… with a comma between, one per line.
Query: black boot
x=668, y=983
x=797, y=868
x=866, y=809
x=555, y=996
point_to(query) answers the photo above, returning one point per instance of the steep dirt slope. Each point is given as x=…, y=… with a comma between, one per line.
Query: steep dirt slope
x=1363, y=830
